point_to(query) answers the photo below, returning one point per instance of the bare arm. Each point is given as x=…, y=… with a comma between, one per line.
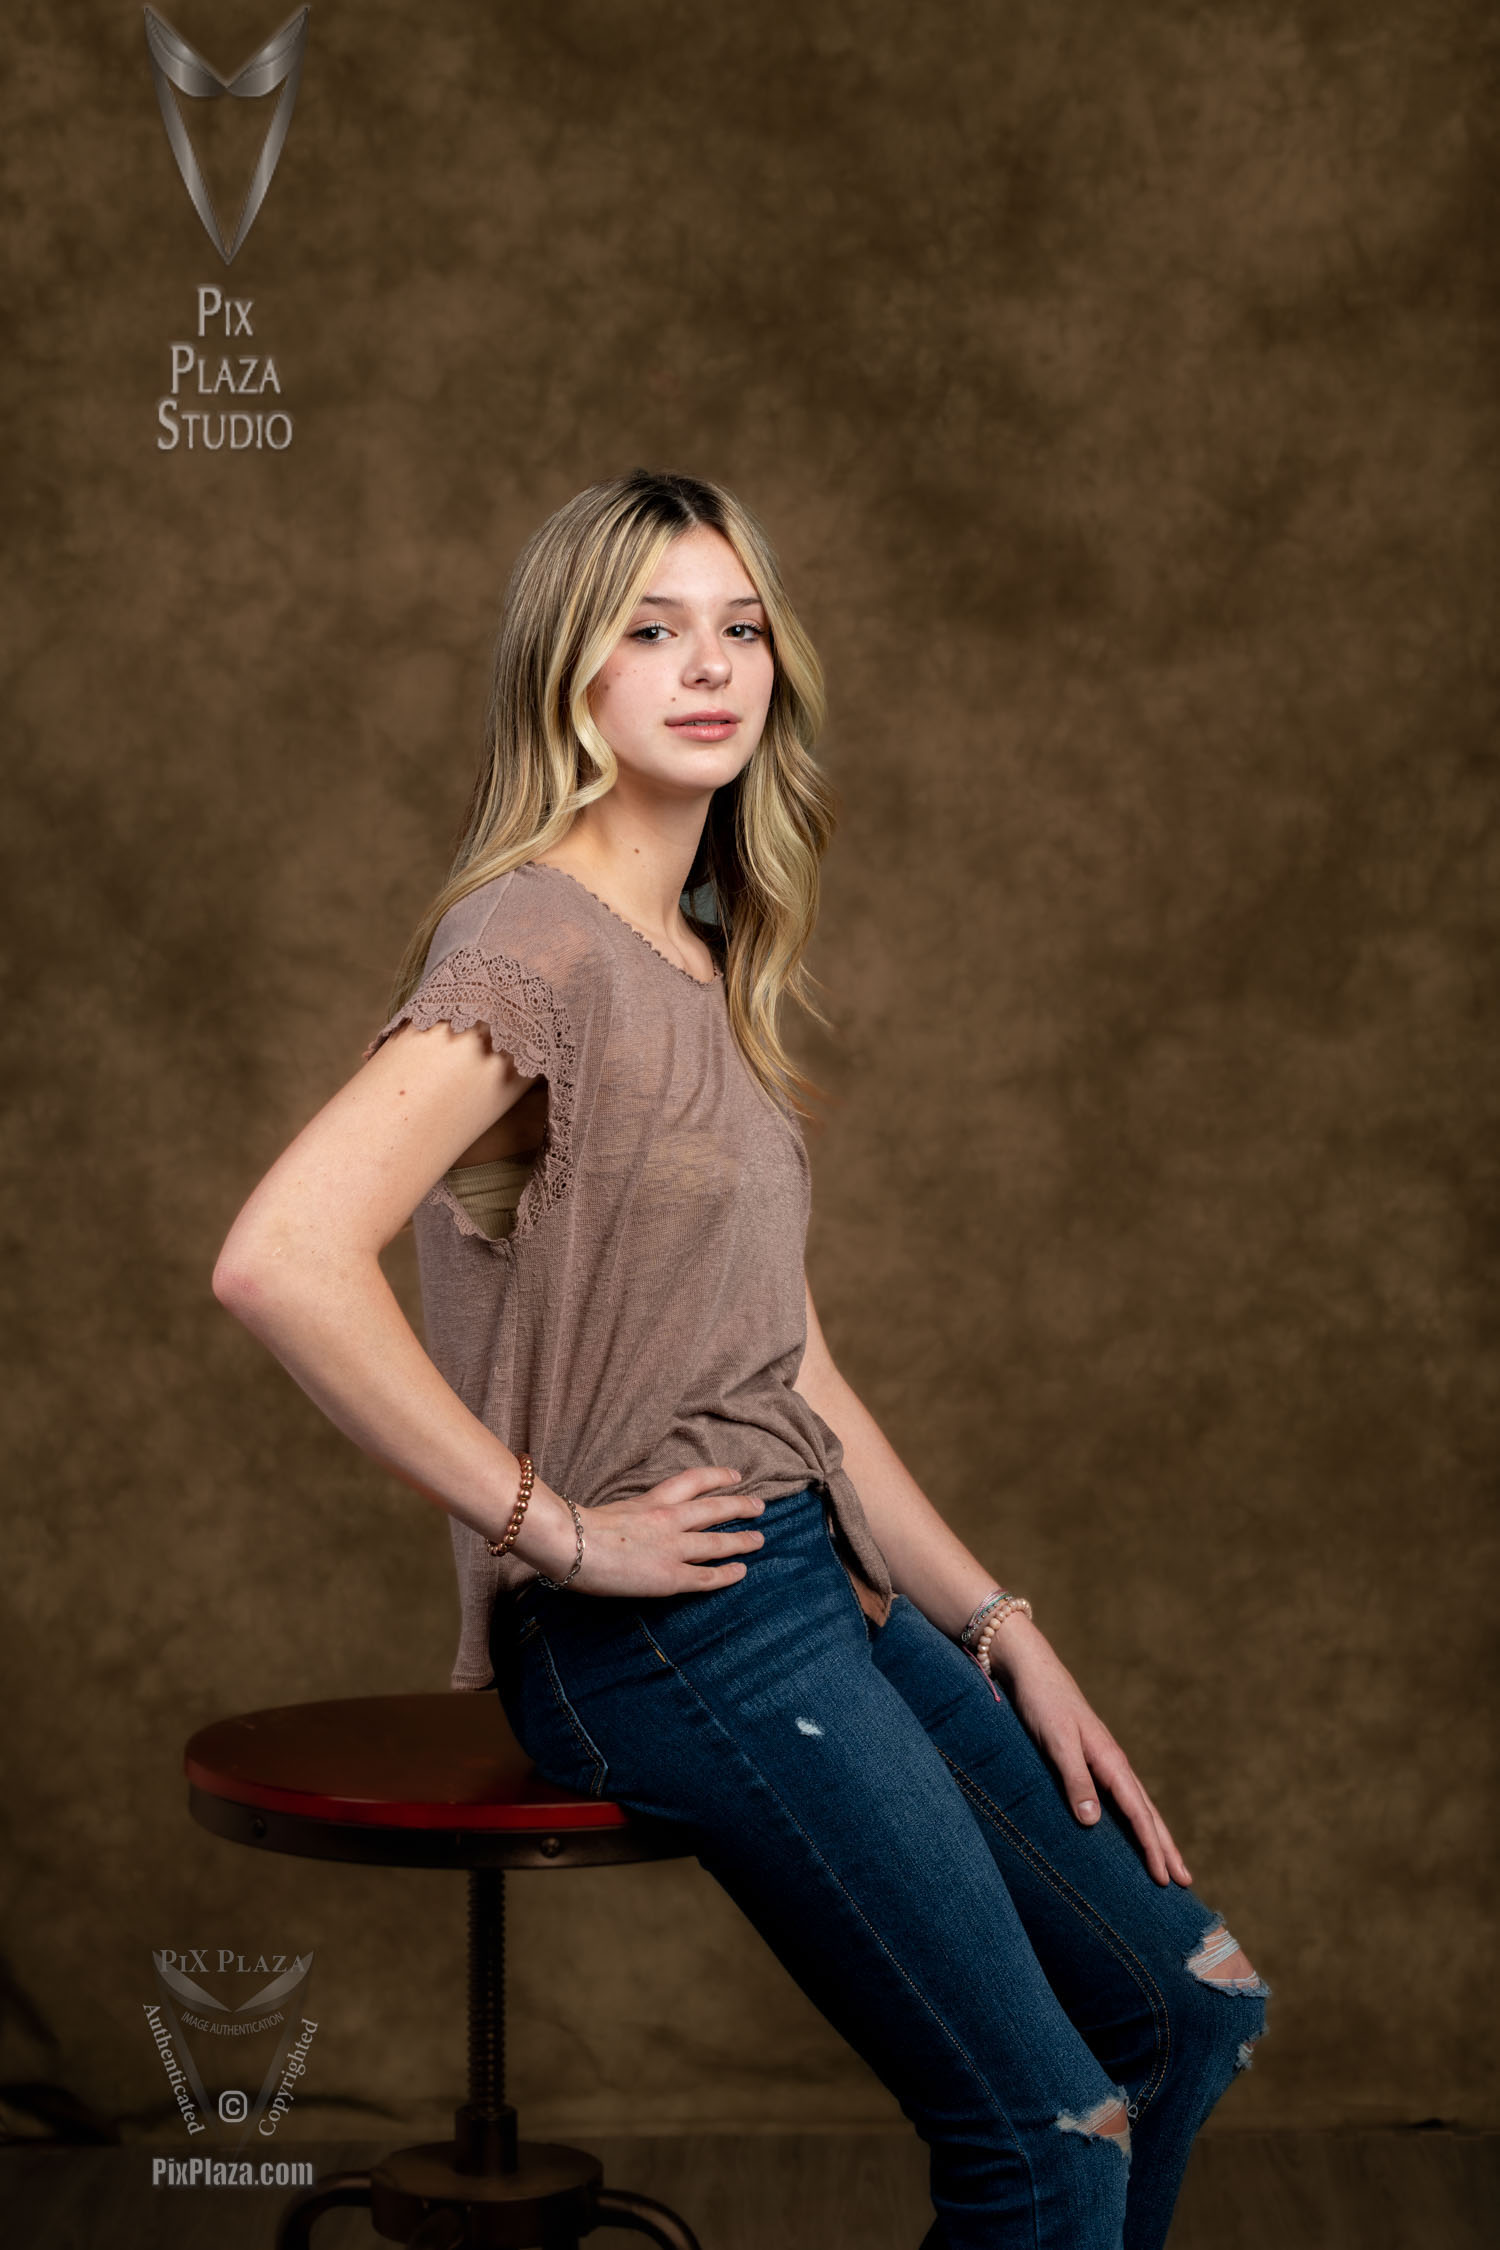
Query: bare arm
x=933, y=1568
x=928, y=1561
x=300, y=1268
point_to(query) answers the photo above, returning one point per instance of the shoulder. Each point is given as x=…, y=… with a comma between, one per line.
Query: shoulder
x=516, y=954
x=528, y=921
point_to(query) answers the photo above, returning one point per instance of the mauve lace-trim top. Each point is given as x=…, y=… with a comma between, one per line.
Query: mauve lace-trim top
x=630, y=1300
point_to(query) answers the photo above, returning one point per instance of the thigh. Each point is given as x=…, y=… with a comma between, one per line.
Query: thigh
x=1112, y=1942
x=757, y=1715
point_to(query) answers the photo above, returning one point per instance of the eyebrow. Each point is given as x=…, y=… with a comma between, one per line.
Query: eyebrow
x=670, y=601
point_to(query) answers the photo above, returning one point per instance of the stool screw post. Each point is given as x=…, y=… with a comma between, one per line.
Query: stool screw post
x=487, y=1984
x=485, y=2127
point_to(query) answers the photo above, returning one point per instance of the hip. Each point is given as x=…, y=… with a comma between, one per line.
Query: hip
x=558, y=1655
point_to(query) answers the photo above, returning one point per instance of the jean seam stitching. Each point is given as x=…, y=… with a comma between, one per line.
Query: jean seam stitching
x=1160, y=2014
x=586, y=1742
x=857, y=1910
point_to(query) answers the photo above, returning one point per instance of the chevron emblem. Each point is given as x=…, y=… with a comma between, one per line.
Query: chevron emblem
x=175, y=63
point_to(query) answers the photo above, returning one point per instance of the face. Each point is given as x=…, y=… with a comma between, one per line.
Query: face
x=682, y=698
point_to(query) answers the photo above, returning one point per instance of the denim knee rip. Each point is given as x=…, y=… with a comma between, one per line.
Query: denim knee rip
x=1108, y=2120
x=1216, y=1945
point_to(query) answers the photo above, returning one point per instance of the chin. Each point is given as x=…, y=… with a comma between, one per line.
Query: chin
x=696, y=766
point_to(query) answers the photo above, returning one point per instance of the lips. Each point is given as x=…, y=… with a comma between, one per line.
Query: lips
x=705, y=726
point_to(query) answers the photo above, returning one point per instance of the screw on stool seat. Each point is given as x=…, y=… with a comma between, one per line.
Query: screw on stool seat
x=436, y=1781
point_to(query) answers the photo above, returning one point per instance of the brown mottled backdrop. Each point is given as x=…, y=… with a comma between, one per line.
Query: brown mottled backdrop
x=1117, y=383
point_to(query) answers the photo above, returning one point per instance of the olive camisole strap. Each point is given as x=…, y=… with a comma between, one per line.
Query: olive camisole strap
x=490, y=1192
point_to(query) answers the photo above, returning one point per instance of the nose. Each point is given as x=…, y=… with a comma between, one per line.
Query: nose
x=708, y=660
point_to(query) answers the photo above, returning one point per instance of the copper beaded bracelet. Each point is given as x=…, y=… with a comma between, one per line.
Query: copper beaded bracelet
x=528, y=1479
x=501, y=1546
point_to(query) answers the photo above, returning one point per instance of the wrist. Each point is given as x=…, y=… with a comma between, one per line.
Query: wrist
x=959, y=1617
x=1014, y=1639
x=991, y=1609
x=547, y=1540
x=986, y=1627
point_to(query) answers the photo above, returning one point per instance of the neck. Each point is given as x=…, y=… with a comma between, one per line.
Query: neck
x=640, y=866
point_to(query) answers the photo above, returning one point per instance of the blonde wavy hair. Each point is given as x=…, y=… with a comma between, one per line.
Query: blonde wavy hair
x=752, y=891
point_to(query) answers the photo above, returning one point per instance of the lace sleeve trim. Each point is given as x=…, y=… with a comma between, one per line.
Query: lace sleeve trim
x=524, y=1019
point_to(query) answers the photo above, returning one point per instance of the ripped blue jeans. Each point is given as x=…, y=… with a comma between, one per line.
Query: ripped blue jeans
x=1044, y=2012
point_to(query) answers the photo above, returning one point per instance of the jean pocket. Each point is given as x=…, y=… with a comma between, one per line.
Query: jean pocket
x=545, y=1721
x=831, y=1533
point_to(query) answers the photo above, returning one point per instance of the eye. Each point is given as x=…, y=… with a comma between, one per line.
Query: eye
x=745, y=626
x=642, y=630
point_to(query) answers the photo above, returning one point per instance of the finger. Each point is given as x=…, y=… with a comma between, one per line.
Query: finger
x=703, y=1578
x=702, y=1481
x=1181, y=1872
x=1172, y=1858
x=718, y=1507
x=1131, y=1799
x=703, y=1544
x=1077, y=1781
x=1158, y=1830
x=1115, y=1771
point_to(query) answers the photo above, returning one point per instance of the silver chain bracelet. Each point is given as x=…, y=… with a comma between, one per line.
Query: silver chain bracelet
x=557, y=1584
x=986, y=1621
x=970, y=1633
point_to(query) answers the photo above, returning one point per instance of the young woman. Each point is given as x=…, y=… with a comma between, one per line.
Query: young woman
x=695, y=1571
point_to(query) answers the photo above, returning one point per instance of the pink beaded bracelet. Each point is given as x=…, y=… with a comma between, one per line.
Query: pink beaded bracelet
x=996, y=1618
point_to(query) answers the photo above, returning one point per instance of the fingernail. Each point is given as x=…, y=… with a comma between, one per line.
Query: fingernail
x=1088, y=1808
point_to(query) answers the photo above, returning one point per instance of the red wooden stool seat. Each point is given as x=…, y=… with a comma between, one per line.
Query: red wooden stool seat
x=436, y=1781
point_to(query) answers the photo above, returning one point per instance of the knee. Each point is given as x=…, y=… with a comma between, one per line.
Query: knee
x=1062, y=2177
x=1225, y=1999
x=1108, y=2120
x=1092, y=2187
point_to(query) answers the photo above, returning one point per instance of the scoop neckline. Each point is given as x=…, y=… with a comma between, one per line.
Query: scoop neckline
x=701, y=984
